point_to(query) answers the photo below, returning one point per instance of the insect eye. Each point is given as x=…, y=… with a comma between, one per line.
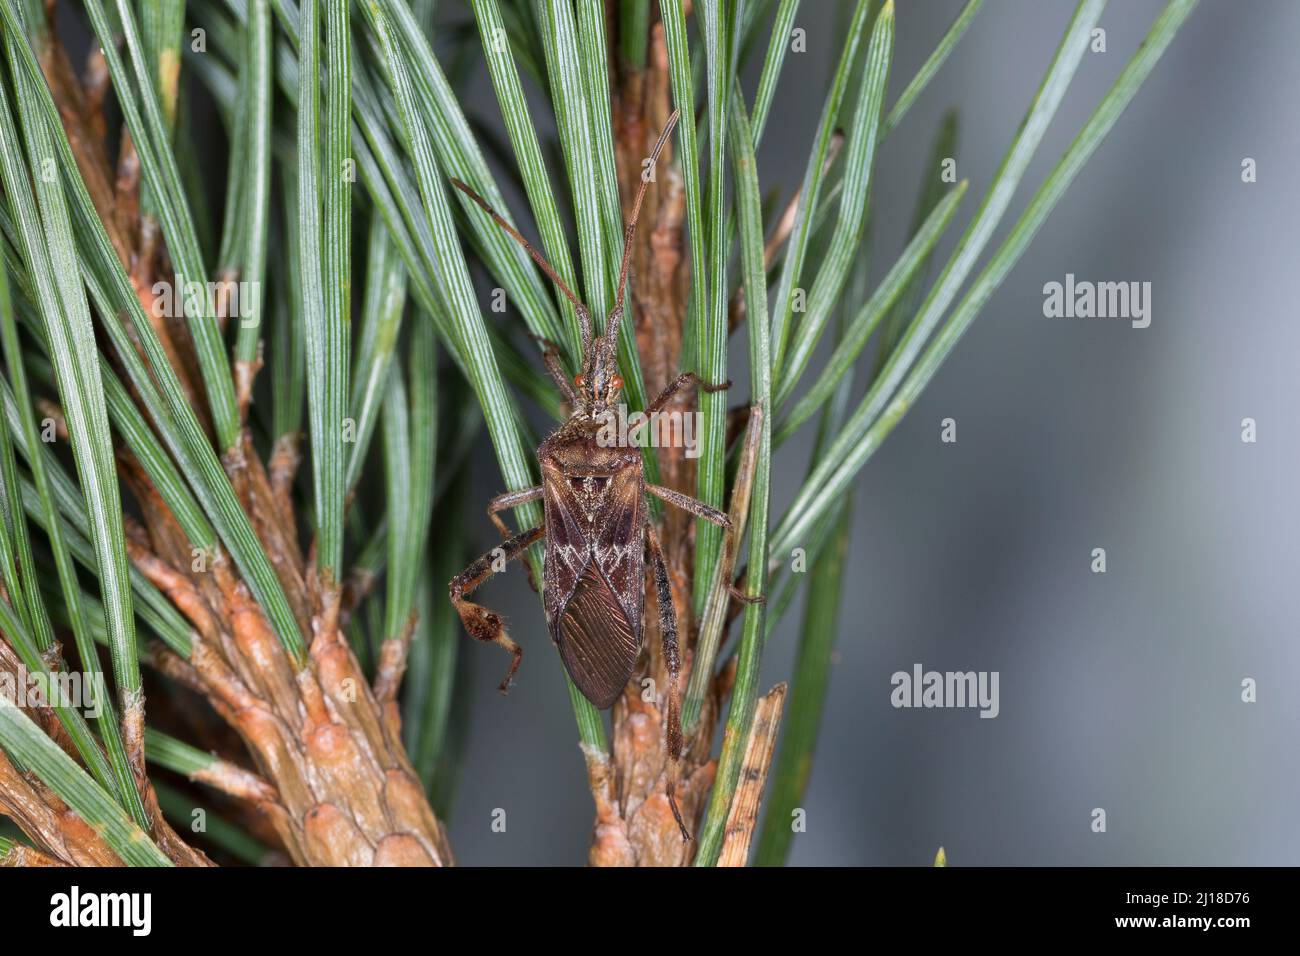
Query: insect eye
x=616, y=382
x=579, y=380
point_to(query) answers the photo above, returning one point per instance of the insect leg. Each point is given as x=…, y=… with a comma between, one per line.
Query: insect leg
x=744, y=598
x=701, y=510
x=672, y=661
x=513, y=499
x=551, y=359
x=482, y=624
x=679, y=383
x=687, y=503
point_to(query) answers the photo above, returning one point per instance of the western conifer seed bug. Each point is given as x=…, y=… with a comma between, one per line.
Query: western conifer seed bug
x=595, y=521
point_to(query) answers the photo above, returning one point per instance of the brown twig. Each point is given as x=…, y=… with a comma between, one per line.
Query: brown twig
x=235, y=781
x=283, y=468
x=634, y=823
x=21, y=856
x=392, y=666
x=332, y=779
x=47, y=821
x=84, y=126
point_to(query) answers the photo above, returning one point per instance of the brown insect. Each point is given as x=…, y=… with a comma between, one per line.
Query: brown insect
x=594, y=522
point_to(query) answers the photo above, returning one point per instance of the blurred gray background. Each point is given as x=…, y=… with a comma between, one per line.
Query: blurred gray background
x=1121, y=690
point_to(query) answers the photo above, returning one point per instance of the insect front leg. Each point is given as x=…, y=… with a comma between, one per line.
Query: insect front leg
x=679, y=383
x=512, y=499
x=482, y=624
x=673, y=662
x=551, y=359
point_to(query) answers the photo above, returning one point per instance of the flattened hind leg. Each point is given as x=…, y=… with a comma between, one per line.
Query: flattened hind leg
x=481, y=623
x=673, y=662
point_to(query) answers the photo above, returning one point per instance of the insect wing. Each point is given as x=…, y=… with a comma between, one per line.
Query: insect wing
x=594, y=591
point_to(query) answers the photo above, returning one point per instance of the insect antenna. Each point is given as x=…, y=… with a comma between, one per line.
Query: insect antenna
x=584, y=316
x=616, y=314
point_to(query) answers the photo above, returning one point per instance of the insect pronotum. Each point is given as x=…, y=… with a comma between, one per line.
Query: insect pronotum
x=595, y=521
